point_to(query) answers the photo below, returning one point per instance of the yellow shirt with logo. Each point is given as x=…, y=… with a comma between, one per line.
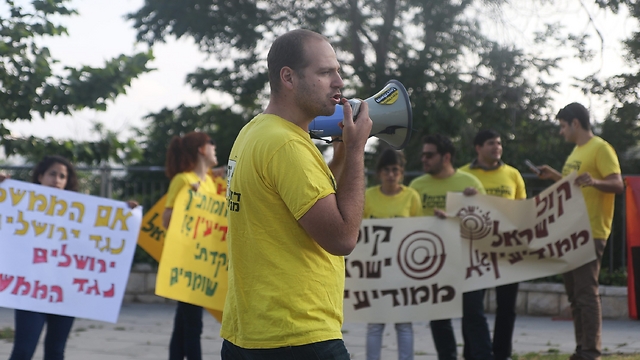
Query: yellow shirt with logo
x=188, y=178
x=433, y=191
x=504, y=181
x=599, y=159
x=284, y=289
x=377, y=205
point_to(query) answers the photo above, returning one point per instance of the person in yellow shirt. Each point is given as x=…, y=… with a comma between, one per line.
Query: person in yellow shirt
x=189, y=161
x=498, y=179
x=441, y=177
x=390, y=199
x=599, y=176
x=292, y=217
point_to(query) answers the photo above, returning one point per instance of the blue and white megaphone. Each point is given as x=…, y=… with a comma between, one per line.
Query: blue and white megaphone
x=389, y=109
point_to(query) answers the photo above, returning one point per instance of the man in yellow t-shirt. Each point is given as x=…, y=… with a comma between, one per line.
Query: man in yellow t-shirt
x=292, y=218
x=498, y=179
x=441, y=177
x=599, y=176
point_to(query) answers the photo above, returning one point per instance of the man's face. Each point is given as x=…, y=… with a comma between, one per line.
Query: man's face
x=318, y=85
x=568, y=130
x=490, y=151
x=432, y=161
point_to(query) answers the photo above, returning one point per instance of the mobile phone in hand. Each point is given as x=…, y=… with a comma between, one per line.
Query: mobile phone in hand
x=532, y=166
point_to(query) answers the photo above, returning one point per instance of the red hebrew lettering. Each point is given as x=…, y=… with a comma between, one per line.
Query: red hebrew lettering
x=55, y=289
x=63, y=252
x=209, y=227
x=21, y=282
x=39, y=288
x=5, y=281
x=80, y=282
x=103, y=265
x=81, y=261
x=566, y=188
x=39, y=255
x=93, y=288
x=224, y=232
x=109, y=293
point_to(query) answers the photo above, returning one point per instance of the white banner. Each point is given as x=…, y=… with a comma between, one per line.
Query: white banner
x=63, y=252
x=403, y=270
x=416, y=269
x=508, y=241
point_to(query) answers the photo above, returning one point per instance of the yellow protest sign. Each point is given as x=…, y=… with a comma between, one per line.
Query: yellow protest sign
x=194, y=263
x=151, y=237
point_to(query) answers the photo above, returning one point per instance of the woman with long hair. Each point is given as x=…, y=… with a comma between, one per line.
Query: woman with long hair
x=388, y=200
x=189, y=161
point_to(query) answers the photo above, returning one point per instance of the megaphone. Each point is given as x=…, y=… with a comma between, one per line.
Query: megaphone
x=389, y=109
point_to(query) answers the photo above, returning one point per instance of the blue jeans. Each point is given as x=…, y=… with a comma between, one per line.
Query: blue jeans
x=29, y=326
x=506, y=296
x=187, y=328
x=323, y=350
x=404, y=333
x=475, y=330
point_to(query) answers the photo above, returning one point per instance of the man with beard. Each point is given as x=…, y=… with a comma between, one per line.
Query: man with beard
x=441, y=177
x=498, y=179
x=598, y=170
x=292, y=217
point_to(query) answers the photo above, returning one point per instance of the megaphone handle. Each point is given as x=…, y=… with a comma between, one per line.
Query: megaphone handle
x=355, y=106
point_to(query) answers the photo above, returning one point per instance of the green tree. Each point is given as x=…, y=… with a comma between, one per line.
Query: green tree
x=29, y=85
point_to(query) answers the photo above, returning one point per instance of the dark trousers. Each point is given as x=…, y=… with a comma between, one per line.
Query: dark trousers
x=506, y=296
x=323, y=350
x=475, y=331
x=29, y=326
x=187, y=328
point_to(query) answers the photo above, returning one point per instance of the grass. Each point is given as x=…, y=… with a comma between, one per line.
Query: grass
x=555, y=355
x=7, y=334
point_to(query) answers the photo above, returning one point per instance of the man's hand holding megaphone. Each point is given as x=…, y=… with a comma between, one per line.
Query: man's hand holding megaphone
x=355, y=132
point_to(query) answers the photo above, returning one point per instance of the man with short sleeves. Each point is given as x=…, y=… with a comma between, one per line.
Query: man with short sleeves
x=498, y=179
x=441, y=177
x=292, y=218
x=598, y=170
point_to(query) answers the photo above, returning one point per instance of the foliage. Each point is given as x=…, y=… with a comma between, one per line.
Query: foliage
x=31, y=86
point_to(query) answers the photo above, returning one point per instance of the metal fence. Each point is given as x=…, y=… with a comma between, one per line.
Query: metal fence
x=147, y=184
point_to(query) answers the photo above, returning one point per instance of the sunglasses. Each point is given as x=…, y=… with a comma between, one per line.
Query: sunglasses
x=429, y=154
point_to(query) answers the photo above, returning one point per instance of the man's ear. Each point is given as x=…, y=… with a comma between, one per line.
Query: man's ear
x=286, y=77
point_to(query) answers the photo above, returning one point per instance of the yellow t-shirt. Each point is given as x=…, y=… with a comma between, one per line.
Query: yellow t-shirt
x=505, y=181
x=377, y=205
x=599, y=159
x=433, y=191
x=284, y=289
x=187, y=178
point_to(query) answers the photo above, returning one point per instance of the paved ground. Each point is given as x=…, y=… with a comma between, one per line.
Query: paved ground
x=143, y=332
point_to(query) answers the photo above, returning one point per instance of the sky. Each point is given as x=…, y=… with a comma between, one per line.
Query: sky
x=99, y=32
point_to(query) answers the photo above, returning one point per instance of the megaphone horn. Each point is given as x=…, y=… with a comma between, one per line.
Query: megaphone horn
x=389, y=109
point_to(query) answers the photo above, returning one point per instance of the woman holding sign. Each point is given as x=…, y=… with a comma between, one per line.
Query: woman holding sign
x=189, y=159
x=57, y=172
x=388, y=200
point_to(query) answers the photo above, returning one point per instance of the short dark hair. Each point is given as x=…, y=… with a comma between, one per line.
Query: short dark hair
x=483, y=135
x=390, y=157
x=47, y=162
x=288, y=50
x=442, y=143
x=575, y=111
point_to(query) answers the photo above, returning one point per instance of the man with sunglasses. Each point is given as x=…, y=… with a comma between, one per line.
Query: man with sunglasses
x=499, y=179
x=598, y=171
x=441, y=177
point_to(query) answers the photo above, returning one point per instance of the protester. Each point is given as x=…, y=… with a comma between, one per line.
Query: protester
x=441, y=177
x=498, y=179
x=293, y=217
x=598, y=170
x=189, y=162
x=391, y=199
x=57, y=172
